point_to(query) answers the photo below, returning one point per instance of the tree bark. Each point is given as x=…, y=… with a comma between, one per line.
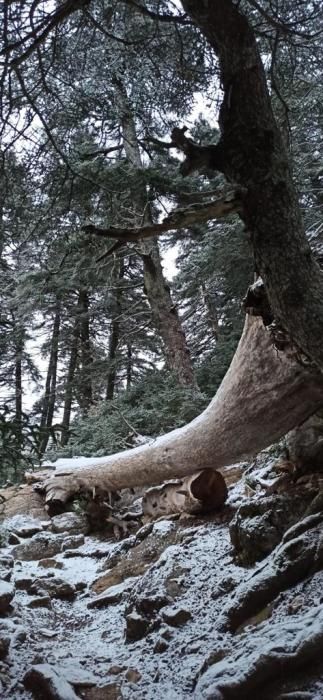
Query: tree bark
x=48, y=406
x=85, y=393
x=129, y=366
x=68, y=398
x=19, y=345
x=251, y=153
x=163, y=310
x=264, y=394
x=114, y=336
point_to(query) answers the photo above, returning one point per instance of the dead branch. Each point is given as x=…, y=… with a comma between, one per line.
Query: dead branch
x=197, y=213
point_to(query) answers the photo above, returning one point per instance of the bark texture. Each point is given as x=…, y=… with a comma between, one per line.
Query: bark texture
x=263, y=395
x=251, y=152
x=48, y=405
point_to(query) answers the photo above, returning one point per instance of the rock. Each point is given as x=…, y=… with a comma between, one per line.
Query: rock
x=51, y=564
x=258, y=659
x=7, y=592
x=23, y=525
x=43, y=682
x=13, y=627
x=7, y=561
x=13, y=539
x=4, y=644
x=132, y=675
x=115, y=670
x=111, y=691
x=70, y=522
x=226, y=585
x=54, y=588
x=75, y=674
x=39, y=602
x=160, y=646
x=176, y=616
x=6, y=564
x=41, y=546
x=136, y=627
x=258, y=526
x=47, y=633
x=150, y=604
x=5, y=574
x=110, y=597
x=72, y=542
x=19, y=636
x=23, y=583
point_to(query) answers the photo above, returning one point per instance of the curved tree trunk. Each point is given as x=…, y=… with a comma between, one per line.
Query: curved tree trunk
x=251, y=152
x=263, y=395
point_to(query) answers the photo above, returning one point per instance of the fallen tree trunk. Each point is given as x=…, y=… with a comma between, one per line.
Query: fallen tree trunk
x=264, y=394
x=200, y=493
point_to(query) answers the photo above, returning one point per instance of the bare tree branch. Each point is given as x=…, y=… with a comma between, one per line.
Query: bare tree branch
x=197, y=213
x=279, y=24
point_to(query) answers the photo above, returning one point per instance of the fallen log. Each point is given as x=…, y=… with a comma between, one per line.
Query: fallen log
x=200, y=493
x=265, y=393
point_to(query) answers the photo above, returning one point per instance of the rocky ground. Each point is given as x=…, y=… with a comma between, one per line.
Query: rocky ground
x=222, y=606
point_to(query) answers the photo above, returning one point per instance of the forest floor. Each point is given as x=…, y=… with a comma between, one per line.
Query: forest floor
x=176, y=609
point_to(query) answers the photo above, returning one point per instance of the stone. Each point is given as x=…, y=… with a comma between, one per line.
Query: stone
x=13, y=539
x=70, y=522
x=160, y=646
x=43, y=682
x=136, y=627
x=5, y=574
x=258, y=525
x=23, y=583
x=176, y=617
x=115, y=670
x=110, y=597
x=4, y=644
x=23, y=525
x=51, y=564
x=132, y=675
x=110, y=691
x=150, y=604
x=19, y=636
x=39, y=602
x=72, y=542
x=41, y=546
x=7, y=561
x=7, y=592
x=54, y=588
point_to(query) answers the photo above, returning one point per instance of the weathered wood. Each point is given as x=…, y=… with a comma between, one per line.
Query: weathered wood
x=264, y=394
x=200, y=493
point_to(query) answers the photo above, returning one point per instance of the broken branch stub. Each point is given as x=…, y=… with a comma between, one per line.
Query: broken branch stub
x=200, y=493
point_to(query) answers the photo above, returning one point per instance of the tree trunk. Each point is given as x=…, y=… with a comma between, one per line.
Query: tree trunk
x=251, y=152
x=114, y=336
x=129, y=366
x=211, y=310
x=68, y=398
x=85, y=394
x=163, y=310
x=18, y=387
x=263, y=395
x=48, y=406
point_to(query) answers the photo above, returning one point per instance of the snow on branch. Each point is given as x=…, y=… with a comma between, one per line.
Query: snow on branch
x=196, y=213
